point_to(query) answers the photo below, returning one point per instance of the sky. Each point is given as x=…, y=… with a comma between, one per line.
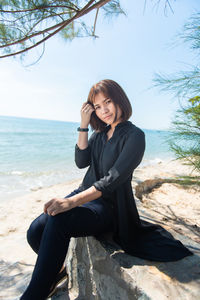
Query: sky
x=130, y=50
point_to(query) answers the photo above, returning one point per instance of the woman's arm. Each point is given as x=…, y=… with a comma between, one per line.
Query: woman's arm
x=59, y=205
x=127, y=161
x=82, y=148
x=82, y=155
x=86, y=112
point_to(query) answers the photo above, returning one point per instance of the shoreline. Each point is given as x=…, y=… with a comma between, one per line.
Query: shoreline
x=78, y=177
x=14, y=195
x=170, y=205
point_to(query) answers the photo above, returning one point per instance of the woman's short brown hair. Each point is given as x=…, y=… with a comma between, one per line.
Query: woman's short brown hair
x=112, y=90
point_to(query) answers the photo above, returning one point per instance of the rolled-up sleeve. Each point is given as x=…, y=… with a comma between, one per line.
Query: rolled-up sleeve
x=128, y=160
x=83, y=156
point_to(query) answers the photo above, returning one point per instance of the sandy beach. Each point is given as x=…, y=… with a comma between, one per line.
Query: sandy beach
x=170, y=204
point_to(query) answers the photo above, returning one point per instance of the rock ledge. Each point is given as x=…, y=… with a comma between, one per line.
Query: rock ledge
x=99, y=270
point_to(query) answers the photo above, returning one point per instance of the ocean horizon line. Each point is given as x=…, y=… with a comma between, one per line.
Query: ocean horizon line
x=74, y=122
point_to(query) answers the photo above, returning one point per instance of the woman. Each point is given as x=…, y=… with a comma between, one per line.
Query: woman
x=104, y=201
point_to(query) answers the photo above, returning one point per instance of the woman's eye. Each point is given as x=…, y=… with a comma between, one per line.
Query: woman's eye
x=108, y=101
x=97, y=107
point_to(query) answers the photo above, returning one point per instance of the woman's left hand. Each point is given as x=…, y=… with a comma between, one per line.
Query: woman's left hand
x=56, y=206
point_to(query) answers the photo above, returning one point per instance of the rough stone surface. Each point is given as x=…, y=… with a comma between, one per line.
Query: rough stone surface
x=99, y=270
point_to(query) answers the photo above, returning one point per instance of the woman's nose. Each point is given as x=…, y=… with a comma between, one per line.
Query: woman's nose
x=104, y=109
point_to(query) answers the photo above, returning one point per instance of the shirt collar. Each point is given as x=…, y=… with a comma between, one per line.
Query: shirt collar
x=118, y=126
x=122, y=124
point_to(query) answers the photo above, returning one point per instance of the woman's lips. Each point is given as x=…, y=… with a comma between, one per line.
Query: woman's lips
x=107, y=117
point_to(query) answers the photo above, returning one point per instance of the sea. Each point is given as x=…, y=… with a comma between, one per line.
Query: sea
x=37, y=153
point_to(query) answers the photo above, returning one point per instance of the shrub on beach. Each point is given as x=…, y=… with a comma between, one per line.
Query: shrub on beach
x=185, y=138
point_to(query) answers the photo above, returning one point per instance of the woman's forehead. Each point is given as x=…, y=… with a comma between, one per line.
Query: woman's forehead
x=100, y=98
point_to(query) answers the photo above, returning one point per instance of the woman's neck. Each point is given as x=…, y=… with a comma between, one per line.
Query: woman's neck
x=113, y=125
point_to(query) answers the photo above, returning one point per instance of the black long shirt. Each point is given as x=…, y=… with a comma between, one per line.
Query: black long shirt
x=111, y=165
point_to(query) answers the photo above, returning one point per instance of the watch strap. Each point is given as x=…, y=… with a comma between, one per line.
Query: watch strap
x=82, y=129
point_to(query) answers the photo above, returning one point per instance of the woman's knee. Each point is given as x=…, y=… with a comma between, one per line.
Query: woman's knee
x=63, y=223
x=61, y=220
x=34, y=233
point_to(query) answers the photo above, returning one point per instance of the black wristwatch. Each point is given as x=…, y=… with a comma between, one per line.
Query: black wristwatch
x=82, y=129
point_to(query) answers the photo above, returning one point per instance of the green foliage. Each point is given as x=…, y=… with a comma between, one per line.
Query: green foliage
x=182, y=84
x=113, y=8
x=185, y=139
x=188, y=180
x=194, y=110
x=25, y=25
x=184, y=181
x=191, y=32
x=28, y=24
x=185, y=83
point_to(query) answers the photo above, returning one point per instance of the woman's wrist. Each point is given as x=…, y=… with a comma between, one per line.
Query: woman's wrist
x=73, y=201
x=84, y=125
x=83, y=197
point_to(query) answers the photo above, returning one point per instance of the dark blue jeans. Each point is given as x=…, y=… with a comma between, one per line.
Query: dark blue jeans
x=49, y=237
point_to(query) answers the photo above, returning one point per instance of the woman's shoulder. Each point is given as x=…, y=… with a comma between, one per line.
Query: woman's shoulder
x=128, y=128
x=136, y=129
x=134, y=137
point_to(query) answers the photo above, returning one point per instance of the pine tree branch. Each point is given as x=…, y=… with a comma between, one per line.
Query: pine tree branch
x=64, y=23
x=61, y=25
x=37, y=8
x=95, y=21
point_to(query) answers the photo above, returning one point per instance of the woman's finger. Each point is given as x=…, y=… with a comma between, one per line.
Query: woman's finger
x=46, y=205
x=55, y=211
x=87, y=106
x=88, y=109
x=84, y=104
x=55, y=207
x=50, y=210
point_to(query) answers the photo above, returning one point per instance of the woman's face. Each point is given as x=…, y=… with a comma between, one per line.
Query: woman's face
x=105, y=110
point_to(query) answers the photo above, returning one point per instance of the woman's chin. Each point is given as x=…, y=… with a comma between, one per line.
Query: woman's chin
x=109, y=121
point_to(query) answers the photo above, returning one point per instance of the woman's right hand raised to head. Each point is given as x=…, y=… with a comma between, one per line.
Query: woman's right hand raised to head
x=86, y=111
